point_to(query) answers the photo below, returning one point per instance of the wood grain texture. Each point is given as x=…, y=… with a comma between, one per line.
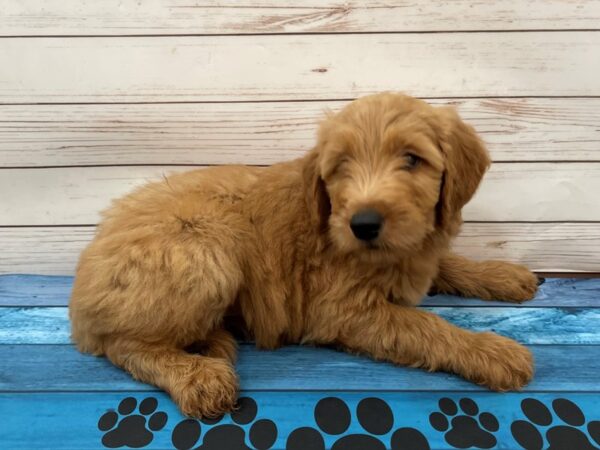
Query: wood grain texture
x=34, y=368
x=35, y=290
x=519, y=129
x=40, y=290
x=298, y=67
x=529, y=325
x=544, y=247
x=130, y=17
x=34, y=326
x=509, y=192
x=47, y=251
x=69, y=420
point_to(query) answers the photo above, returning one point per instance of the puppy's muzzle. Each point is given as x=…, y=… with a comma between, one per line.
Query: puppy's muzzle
x=366, y=224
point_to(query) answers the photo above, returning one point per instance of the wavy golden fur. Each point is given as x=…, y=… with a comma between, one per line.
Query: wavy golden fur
x=175, y=262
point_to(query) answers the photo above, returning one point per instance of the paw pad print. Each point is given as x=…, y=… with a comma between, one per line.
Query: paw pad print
x=465, y=428
x=262, y=433
x=333, y=417
x=126, y=429
x=568, y=435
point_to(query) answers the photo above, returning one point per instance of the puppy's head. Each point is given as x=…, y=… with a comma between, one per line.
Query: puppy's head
x=390, y=170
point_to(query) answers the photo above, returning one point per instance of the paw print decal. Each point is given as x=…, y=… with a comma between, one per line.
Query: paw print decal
x=262, y=433
x=126, y=429
x=333, y=417
x=467, y=429
x=568, y=435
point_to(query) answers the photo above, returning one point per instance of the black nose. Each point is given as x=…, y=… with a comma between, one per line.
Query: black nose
x=366, y=224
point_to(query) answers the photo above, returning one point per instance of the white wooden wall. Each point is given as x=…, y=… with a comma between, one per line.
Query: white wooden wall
x=99, y=96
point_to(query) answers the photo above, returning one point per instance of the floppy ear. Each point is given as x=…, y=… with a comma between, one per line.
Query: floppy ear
x=315, y=193
x=466, y=161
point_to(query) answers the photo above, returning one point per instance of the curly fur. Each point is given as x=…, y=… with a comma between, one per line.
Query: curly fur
x=173, y=263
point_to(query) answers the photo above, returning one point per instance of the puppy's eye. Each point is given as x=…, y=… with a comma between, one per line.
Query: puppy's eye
x=411, y=161
x=339, y=166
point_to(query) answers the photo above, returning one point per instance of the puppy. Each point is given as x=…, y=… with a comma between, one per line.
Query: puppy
x=333, y=248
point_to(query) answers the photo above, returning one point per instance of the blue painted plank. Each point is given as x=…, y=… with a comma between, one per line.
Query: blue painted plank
x=555, y=292
x=39, y=290
x=43, y=325
x=35, y=290
x=34, y=325
x=438, y=420
x=61, y=367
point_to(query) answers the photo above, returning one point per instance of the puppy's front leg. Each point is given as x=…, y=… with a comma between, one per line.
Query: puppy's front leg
x=412, y=337
x=488, y=280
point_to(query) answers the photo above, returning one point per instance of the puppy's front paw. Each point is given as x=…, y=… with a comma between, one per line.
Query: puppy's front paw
x=208, y=389
x=510, y=282
x=498, y=363
x=524, y=284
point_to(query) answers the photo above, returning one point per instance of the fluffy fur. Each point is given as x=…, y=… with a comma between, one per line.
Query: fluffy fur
x=175, y=262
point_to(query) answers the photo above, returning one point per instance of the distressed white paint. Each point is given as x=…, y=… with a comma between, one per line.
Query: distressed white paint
x=216, y=68
x=65, y=72
x=525, y=129
x=134, y=17
x=509, y=192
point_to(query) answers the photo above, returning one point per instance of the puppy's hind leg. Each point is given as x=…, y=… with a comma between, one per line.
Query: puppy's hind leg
x=488, y=280
x=202, y=386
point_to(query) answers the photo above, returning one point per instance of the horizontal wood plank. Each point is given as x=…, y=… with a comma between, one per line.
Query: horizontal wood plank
x=62, y=196
x=33, y=368
x=544, y=247
x=40, y=290
x=35, y=290
x=298, y=67
x=70, y=420
x=130, y=17
x=537, y=192
x=530, y=325
x=43, y=251
x=519, y=129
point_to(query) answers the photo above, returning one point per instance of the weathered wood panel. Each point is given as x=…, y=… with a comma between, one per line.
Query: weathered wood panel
x=35, y=290
x=509, y=192
x=130, y=17
x=537, y=192
x=530, y=325
x=519, y=129
x=47, y=251
x=34, y=368
x=544, y=247
x=70, y=420
x=34, y=326
x=298, y=67
x=39, y=290
x=42, y=251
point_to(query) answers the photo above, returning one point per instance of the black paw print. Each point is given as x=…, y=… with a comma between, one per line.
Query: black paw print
x=468, y=429
x=374, y=416
x=131, y=430
x=569, y=436
x=263, y=433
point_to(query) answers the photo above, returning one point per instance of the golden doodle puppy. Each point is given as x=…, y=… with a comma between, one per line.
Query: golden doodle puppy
x=336, y=248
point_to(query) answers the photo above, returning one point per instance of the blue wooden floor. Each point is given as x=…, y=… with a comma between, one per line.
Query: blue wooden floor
x=52, y=397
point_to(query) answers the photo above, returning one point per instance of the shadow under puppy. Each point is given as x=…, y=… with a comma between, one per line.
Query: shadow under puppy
x=336, y=248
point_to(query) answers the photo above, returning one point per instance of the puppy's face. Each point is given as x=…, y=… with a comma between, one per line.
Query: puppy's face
x=389, y=166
